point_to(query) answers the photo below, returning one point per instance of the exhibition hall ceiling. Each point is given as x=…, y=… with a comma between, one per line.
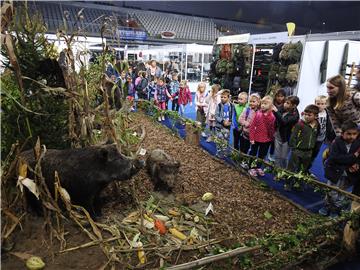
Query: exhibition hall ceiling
x=323, y=16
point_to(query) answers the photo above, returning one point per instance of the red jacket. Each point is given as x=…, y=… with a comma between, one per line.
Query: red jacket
x=184, y=96
x=262, y=127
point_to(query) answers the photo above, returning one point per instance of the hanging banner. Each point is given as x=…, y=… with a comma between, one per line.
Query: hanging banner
x=244, y=38
x=269, y=38
x=131, y=34
x=291, y=28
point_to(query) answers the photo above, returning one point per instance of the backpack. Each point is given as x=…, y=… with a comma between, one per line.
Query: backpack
x=230, y=68
x=225, y=52
x=221, y=66
x=236, y=52
x=291, y=53
x=236, y=82
x=274, y=70
x=282, y=74
x=142, y=85
x=246, y=51
x=292, y=73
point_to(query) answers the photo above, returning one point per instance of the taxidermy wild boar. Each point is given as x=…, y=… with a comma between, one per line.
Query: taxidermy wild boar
x=84, y=172
x=163, y=169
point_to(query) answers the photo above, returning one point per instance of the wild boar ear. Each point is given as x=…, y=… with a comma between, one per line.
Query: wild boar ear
x=177, y=164
x=104, y=154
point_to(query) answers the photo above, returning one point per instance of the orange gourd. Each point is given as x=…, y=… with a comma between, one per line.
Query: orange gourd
x=160, y=226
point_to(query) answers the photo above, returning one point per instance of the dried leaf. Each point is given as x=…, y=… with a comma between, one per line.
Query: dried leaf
x=30, y=184
x=22, y=168
x=22, y=255
x=268, y=215
x=37, y=149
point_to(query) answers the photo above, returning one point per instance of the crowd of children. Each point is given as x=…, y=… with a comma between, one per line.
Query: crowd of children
x=264, y=126
x=274, y=127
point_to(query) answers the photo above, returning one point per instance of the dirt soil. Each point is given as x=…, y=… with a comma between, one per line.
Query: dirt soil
x=239, y=207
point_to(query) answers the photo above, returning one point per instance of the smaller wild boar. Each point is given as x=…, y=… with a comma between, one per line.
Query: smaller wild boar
x=163, y=169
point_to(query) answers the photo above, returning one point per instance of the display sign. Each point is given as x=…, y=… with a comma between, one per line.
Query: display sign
x=132, y=34
x=234, y=39
x=269, y=38
x=168, y=34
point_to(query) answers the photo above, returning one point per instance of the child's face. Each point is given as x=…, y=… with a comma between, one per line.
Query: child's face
x=254, y=103
x=174, y=78
x=279, y=99
x=224, y=99
x=266, y=105
x=321, y=103
x=288, y=106
x=242, y=99
x=350, y=135
x=113, y=78
x=309, y=117
x=160, y=82
x=201, y=89
x=123, y=74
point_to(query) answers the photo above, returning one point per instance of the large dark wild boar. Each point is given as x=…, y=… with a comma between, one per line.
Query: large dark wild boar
x=85, y=172
x=163, y=169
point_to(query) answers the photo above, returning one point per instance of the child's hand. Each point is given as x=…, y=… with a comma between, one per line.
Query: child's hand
x=356, y=154
x=274, y=108
x=252, y=142
x=226, y=123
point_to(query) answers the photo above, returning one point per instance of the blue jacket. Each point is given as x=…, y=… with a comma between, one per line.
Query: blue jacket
x=219, y=115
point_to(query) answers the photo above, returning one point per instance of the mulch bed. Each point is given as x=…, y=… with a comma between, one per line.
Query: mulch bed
x=239, y=205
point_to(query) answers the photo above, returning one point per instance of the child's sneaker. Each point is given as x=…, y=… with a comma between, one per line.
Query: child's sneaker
x=203, y=134
x=209, y=139
x=253, y=172
x=324, y=211
x=163, y=118
x=260, y=172
x=159, y=118
x=271, y=158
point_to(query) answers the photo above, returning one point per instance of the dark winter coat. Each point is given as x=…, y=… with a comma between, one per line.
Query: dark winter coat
x=286, y=123
x=341, y=160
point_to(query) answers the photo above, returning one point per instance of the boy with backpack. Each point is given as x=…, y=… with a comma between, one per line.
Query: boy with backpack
x=223, y=115
x=342, y=168
x=141, y=86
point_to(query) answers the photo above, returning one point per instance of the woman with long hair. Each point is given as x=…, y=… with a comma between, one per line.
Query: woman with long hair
x=343, y=104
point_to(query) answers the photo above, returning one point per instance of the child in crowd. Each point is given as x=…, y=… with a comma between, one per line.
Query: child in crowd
x=160, y=96
x=122, y=80
x=286, y=117
x=174, y=86
x=245, y=120
x=342, y=168
x=325, y=127
x=184, y=97
x=279, y=100
x=302, y=140
x=262, y=130
x=201, y=105
x=239, y=108
x=151, y=88
x=223, y=115
x=130, y=91
x=213, y=99
x=141, y=85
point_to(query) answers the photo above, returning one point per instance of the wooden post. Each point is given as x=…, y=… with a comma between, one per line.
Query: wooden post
x=351, y=235
x=192, y=134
